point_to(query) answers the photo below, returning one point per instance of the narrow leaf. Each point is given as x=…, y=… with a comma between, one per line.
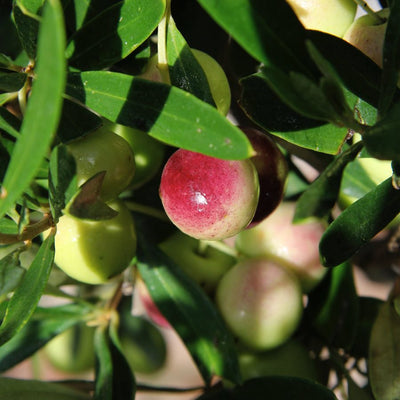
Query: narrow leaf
x=391, y=60
x=11, y=273
x=359, y=223
x=320, y=197
x=190, y=312
x=27, y=295
x=114, y=33
x=12, y=81
x=382, y=139
x=166, y=112
x=333, y=307
x=9, y=122
x=11, y=388
x=39, y=331
x=269, y=31
x=43, y=110
x=384, y=355
x=184, y=70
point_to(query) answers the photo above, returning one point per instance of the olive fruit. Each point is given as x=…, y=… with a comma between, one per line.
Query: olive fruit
x=272, y=172
x=292, y=245
x=94, y=251
x=103, y=150
x=148, y=152
x=261, y=302
x=202, y=262
x=72, y=350
x=206, y=197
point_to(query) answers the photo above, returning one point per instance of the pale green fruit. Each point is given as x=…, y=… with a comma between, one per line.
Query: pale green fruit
x=103, y=150
x=261, y=302
x=290, y=359
x=367, y=34
x=148, y=153
x=217, y=80
x=330, y=16
x=94, y=251
x=204, y=263
x=295, y=246
x=72, y=350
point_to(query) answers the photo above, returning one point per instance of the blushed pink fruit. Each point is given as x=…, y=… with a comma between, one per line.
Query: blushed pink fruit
x=206, y=197
x=261, y=302
x=272, y=172
x=293, y=245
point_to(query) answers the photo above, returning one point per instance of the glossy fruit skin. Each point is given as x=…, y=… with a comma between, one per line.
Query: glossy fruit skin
x=148, y=152
x=206, y=197
x=217, y=80
x=94, y=251
x=261, y=302
x=205, y=266
x=368, y=35
x=289, y=359
x=330, y=16
x=73, y=350
x=103, y=150
x=292, y=245
x=272, y=170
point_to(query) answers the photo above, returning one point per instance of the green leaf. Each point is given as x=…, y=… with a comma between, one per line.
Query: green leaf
x=76, y=121
x=283, y=121
x=359, y=74
x=359, y=223
x=320, y=197
x=384, y=354
x=26, y=15
x=11, y=274
x=190, y=312
x=166, y=112
x=114, y=380
x=333, y=307
x=11, y=388
x=43, y=326
x=184, y=70
x=391, y=60
x=382, y=139
x=269, y=31
x=12, y=81
x=43, y=109
x=273, y=387
x=62, y=180
x=9, y=122
x=113, y=34
x=27, y=295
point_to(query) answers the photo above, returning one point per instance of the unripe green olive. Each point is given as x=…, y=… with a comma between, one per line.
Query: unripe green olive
x=103, y=150
x=94, y=251
x=72, y=350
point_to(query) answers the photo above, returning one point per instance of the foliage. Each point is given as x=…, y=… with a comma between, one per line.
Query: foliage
x=69, y=66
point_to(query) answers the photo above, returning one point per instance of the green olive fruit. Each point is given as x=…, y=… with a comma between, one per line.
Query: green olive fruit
x=261, y=302
x=72, y=350
x=202, y=262
x=289, y=359
x=148, y=152
x=94, y=251
x=330, y=16
x=103, y=150
x=142, y=342
x=217, y=80
x=296, y=246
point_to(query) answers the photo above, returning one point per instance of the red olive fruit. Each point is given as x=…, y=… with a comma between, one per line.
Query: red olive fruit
x=206, y=197
x=272, y=172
